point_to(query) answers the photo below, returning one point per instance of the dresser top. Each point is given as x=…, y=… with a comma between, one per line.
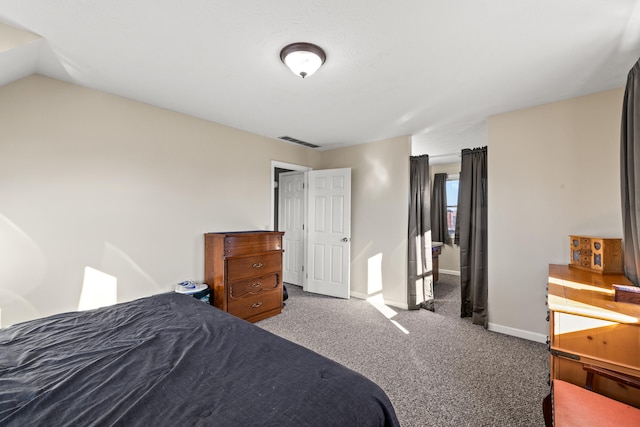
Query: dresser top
x=232, y=233
x=589, y=294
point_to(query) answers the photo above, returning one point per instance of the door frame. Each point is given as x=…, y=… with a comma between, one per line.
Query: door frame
x=303, y=220
x=275, y=164
x=283, y=165
x=304, y=169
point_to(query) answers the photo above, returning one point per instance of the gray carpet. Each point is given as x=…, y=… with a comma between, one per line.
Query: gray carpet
x=444, y=372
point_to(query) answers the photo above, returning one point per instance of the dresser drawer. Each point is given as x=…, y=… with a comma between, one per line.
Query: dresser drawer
x=585, y=242
x=253, y=286
x=253, y=266
x=246, y=244
x=598, y=338
x=252, y=305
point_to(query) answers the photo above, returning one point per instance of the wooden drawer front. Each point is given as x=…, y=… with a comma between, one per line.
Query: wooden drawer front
x=584, y=251
x=255, y=266
x=251, y=244
x=585, y=242
x=580, y=251
x=252, y=305
x=253, y=286
x=601, y=339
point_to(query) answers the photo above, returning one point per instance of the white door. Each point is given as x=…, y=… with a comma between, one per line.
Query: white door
x=329, y=232
x=291, y=198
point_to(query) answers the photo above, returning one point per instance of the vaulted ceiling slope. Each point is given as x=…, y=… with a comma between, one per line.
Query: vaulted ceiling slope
x=428, y=68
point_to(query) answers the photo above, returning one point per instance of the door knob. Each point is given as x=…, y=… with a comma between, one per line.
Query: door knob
x=346, y=239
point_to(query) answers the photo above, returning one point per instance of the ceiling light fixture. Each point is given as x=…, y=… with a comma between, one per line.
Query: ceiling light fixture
x=303, y=59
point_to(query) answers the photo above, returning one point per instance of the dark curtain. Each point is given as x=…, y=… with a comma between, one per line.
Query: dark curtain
x=420, y=284
x=630, y=174
x=439, y=227
x=471, y=234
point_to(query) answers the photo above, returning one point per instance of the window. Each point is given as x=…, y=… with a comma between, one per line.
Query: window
x=453, y=180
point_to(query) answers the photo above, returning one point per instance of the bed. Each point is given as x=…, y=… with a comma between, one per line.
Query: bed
x=171, y=359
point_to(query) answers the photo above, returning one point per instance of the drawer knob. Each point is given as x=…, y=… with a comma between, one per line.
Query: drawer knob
x=257, y=265
x=256, y=304
x=256, y=285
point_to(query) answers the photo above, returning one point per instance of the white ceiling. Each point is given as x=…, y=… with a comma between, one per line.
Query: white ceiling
x=434, y=69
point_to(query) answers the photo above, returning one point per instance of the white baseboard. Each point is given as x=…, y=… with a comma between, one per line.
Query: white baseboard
x=396, y=304
x=358, y=295
x=403, y=306
x=451, y=272
x=520, y=333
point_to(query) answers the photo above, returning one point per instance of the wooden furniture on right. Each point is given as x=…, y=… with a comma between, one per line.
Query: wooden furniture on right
x=436, y=250
x=587, y=327
x=244, y=270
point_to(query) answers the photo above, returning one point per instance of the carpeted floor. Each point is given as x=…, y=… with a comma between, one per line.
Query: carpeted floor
x=437, y=368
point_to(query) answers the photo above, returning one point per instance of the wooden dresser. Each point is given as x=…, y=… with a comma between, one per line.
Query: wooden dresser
x=436, y=250
x=587, y=327
x=244, y=270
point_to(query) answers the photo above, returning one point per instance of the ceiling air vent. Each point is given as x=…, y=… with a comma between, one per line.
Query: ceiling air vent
x=297, y=141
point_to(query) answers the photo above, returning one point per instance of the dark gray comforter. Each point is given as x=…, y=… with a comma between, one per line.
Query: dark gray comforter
x=173, y=360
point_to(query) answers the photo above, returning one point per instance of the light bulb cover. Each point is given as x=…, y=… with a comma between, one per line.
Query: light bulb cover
x=303, y=59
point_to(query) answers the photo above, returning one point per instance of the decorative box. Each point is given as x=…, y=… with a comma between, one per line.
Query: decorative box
x=598, y=254
x=625, y=293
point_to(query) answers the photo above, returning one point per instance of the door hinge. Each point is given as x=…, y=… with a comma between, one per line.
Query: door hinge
x=303, y=268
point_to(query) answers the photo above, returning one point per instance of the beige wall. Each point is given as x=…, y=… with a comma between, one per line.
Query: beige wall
x=91, y=179
x=379, y=216
x=449, y=260
x=553, y=170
